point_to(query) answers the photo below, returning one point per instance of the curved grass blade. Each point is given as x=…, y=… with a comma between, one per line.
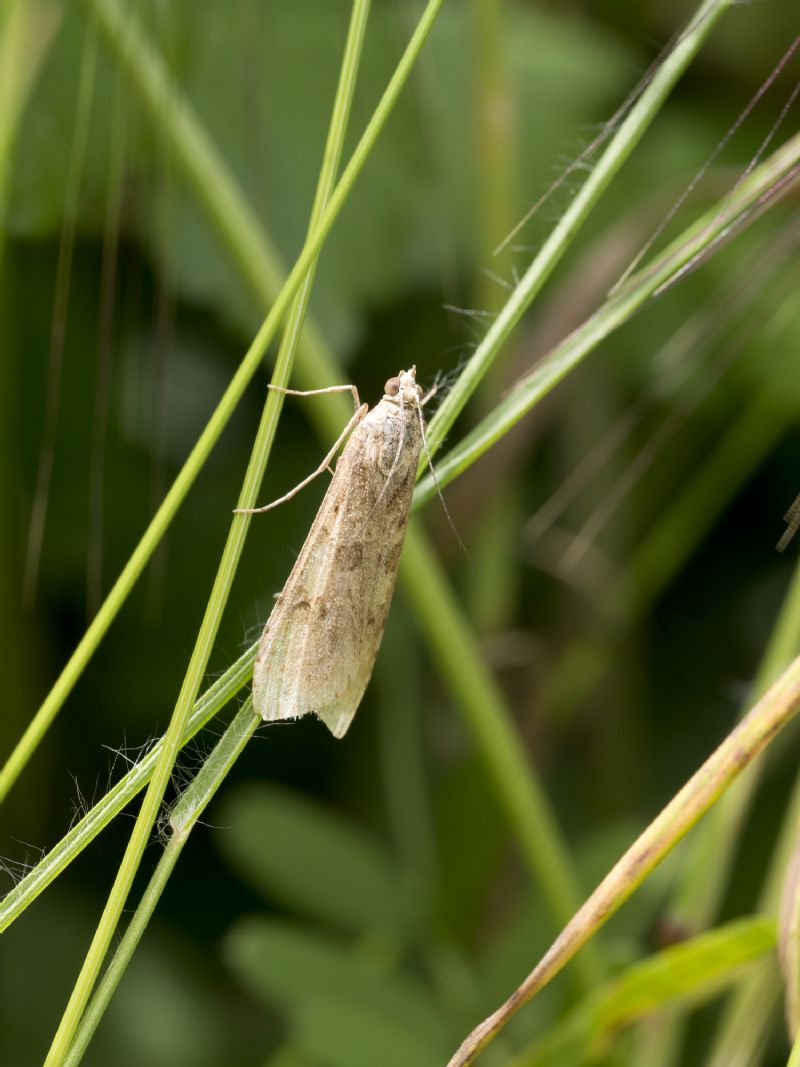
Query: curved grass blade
x=120, y=795
x=683, y=975
x=774, y=711
x=781, y=172
x=619, y=148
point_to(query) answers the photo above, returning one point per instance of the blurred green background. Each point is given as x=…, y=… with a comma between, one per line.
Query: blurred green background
x=362, y=902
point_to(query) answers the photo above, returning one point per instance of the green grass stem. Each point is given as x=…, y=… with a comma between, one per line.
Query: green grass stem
x=680, y=976
x=743, y=204
x=619, y=148
x=494, y=735
x=86, y=829
x=156, y=89
x=231, y=555
x=222, y=413
x=183, y=819
x=745, y=742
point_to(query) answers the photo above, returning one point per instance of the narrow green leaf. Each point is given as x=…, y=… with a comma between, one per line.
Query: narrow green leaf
x=687, y=973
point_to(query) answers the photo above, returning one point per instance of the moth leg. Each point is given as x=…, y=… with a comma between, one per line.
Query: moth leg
x=317, y=392
x=431, y=393
x=325, y=465
x=434, y=389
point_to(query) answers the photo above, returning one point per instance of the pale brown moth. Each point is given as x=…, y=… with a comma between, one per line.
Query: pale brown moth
x=319, y=645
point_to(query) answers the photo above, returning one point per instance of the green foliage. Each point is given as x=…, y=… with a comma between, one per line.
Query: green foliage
x=319, y=864
x=344, y=1007
x=419, y=191
x=523, y=742
x=689, y=973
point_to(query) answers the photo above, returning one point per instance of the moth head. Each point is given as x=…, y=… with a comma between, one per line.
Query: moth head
x=404, y=385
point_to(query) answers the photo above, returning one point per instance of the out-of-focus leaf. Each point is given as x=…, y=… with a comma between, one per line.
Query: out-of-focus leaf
x=345, y=1006
x=268, y=114
x=686, y=974
x=471, y=836
x=313, y=861
x=345, y=1035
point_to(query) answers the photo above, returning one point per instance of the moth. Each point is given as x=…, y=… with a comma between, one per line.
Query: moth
x=320, y=642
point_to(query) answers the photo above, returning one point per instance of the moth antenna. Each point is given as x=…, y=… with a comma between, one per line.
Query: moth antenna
x=449, y=517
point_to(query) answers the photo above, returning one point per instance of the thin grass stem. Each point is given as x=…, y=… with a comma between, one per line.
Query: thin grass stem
x=183, y=819
x=739, y=208
x=81, y=835
x=495, y=738
x=228, y=563
x=745, y=742
x=224, y=410
x=619, y=148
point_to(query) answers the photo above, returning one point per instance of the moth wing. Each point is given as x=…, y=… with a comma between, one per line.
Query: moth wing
x=307, y=658
x=320, y=642
x=279, y=672
x=341, y=647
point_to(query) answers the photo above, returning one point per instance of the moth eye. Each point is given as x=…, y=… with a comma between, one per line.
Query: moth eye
x=420, y=392
x=392, y=387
